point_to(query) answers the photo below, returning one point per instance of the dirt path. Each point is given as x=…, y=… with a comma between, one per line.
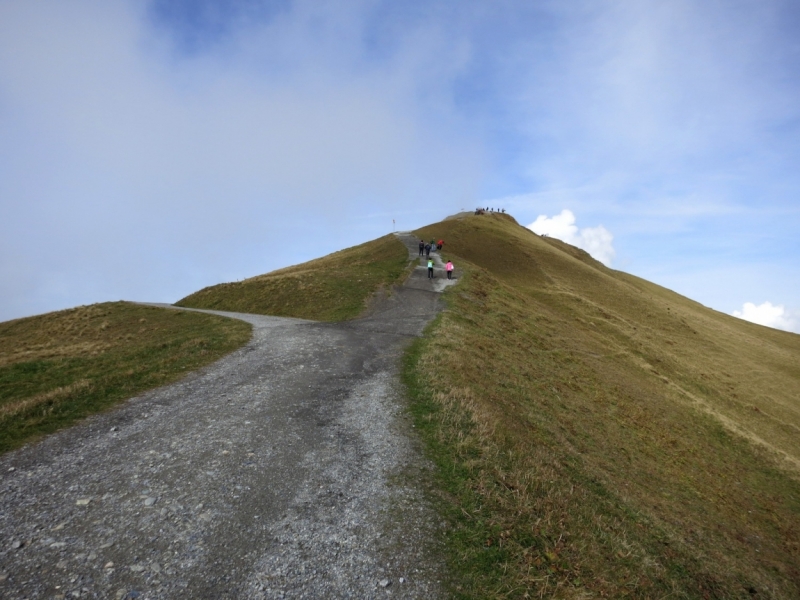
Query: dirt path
x=285, y=470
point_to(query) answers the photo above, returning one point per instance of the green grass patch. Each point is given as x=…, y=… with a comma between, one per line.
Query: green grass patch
x=336, y=287
x=599, y=436
x=58, y=368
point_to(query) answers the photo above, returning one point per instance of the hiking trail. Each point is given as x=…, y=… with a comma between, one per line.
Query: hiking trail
x=287, y=469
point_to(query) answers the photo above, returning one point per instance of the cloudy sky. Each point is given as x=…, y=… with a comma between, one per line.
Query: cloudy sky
x=150, y=148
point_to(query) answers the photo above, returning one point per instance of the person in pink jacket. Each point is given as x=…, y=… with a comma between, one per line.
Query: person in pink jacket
x=449, y=268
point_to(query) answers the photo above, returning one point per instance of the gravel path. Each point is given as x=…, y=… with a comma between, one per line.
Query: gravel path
x=285, y=470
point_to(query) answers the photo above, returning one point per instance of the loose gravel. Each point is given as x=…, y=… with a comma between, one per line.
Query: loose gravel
x=288, y=469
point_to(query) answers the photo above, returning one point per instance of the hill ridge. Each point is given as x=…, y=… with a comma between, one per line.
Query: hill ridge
x=559, y=397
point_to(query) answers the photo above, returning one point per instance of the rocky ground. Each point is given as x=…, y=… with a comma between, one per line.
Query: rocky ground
x=286, y=470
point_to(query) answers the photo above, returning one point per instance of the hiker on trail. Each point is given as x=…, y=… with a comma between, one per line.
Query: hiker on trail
x=449, y=266
x=421, y=247
x=430, y=268
x=439, y=244
x=433, y=244
x=427, y=249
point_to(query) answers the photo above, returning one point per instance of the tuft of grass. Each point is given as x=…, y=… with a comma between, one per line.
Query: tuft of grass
x=336, y=287
x=58, y=368
x=599, y=436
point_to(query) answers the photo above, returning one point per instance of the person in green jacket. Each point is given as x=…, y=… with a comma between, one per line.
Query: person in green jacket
x=430, y=268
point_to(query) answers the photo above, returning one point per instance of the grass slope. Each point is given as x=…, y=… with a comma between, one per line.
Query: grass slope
x=60, y=367
x=333, y=288
x=600, y=436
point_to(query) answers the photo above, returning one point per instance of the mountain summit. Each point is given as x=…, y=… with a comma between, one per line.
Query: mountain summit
x=597, y=435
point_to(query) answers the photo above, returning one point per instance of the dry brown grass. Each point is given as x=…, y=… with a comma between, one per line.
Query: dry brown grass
x=332, y=288
x=602, y=436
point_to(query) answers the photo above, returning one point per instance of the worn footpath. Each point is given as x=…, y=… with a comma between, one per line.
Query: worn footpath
x=285, y=470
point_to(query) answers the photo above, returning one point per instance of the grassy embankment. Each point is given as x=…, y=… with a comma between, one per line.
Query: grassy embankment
x=601, y=436
x=333, y=288
x=58, y=368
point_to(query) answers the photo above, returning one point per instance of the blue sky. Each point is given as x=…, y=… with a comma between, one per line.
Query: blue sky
x=148, y=149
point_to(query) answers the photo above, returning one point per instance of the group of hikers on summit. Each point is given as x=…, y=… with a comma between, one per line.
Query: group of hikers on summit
x=425, y=249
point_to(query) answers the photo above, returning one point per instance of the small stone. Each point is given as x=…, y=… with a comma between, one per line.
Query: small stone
x=3, y=576
x=59, y=527
x=137, y=568
x=115, y=428
x=16, y=544
x=12, y=469
x=402, y=580
x=155, y=568
x=384, y=583
x=108, y=565
x=83, y=501
x=150, y=501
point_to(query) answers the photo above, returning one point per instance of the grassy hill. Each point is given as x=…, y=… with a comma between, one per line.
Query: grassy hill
x=601, y=436
x=596, y=435
x=333, y=288
x=58, y=368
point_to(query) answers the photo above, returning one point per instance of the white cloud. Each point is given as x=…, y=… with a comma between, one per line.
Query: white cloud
x=133, y=170
x=597, y=241
x=770, y=315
